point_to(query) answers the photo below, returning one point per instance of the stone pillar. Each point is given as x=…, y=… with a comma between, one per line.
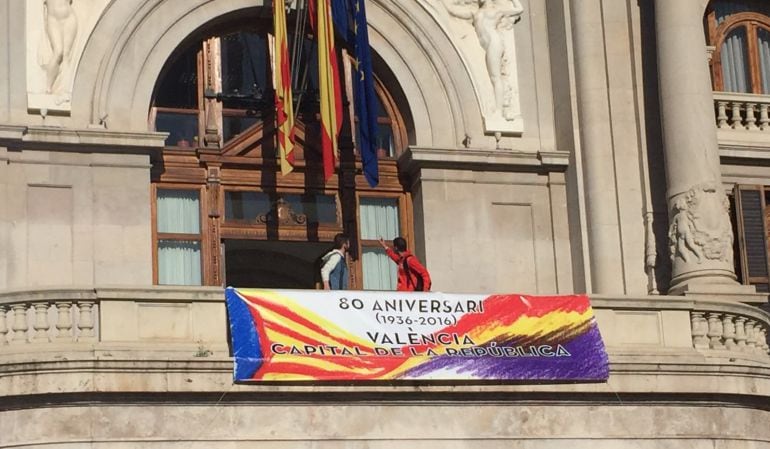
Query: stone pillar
x=700, y=233
x=603, y=227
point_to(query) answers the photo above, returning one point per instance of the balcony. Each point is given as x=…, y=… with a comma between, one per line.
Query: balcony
x=743, y=124
x=83, y=359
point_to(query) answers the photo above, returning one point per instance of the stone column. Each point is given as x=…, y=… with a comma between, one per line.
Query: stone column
x=603, y=226
x=700, y=233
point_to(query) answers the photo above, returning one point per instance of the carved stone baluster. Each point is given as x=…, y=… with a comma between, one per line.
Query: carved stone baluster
x=736, y=120
x=715, y=331
x=722, y=114
x=86, y=320
x=751, y=336
x=729, y=331
x=751, y=119
x=740, y=332
x=3, y=326
x=699, y=340
x=763, y=340
x=20, y=325
x=764, y=118
x=41, y=322
x=64, y=321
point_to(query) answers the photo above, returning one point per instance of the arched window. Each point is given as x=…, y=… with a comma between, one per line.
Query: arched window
x=224, y=213
x=739, y=31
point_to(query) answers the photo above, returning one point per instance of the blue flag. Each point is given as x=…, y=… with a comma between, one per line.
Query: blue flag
x=365, y=96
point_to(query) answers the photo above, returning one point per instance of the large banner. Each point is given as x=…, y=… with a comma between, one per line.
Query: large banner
x=291, y=335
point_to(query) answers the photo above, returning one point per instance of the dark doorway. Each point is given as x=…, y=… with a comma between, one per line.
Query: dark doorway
x=271, y=264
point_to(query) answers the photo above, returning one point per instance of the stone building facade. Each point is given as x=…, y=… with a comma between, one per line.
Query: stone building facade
x=616, y=148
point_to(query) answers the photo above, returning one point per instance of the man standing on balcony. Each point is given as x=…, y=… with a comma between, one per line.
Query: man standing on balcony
x=334, y=268
x=412, y=276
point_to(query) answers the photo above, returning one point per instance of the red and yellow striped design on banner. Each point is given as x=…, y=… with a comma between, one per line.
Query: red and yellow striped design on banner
x=329, y=86
x=282, y=83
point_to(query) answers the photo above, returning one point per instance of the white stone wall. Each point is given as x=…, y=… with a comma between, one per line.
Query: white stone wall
x=527, y=424
x=70, y=218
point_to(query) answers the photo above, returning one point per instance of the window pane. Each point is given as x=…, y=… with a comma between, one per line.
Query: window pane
x=245, y=68
x=379, y=271
x=246, y=206
x=764, y=58
x=182, y=129
x=385, y=140
x=379, y=218
x=179, y=85
x=179, y=262
x=234, y=126
x=735, y=62
x=178, y=211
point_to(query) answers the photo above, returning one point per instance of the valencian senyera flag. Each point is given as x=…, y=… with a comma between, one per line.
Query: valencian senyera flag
x=328, y=84
x=304, y=335
x=282, y=84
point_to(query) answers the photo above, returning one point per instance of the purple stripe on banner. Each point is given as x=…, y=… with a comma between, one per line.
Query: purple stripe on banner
x=586, y=361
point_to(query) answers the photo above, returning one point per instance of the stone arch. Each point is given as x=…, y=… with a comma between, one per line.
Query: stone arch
x=133, y=40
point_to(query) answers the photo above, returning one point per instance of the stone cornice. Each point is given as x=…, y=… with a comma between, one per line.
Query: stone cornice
x=416, y=158
x=93, y=140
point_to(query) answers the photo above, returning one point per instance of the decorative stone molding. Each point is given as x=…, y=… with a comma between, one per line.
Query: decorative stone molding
x=700, y=228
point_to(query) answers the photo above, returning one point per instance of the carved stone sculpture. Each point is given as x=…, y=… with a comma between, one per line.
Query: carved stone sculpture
x=493, y=21
x=700, y=227
x=61, y=27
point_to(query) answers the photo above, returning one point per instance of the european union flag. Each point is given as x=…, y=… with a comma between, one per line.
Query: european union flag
x=363, y=90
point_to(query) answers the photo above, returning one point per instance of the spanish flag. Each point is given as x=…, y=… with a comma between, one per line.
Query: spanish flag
x=328, y=84
x=282, y=85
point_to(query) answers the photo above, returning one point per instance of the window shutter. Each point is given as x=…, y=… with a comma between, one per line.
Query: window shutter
x=750, y=211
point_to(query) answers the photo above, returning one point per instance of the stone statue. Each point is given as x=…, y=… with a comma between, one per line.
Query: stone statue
x=61, y=27
x=682, y=233
x=492, y=19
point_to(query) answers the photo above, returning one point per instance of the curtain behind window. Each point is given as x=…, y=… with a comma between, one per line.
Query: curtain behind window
x=763, y=36
x=179, y=261
x=734, y=57
x=379, y=218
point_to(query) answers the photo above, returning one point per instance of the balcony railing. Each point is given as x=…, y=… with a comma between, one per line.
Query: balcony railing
x=743, y=124
x=154, y=317
x=747, y=112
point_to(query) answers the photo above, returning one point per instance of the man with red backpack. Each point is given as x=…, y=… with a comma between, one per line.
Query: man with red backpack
x=412, y=276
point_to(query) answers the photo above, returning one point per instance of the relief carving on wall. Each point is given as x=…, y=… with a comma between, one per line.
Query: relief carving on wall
x=283, y=214
x=56, y=32
x=483, y=32
x=700, y=228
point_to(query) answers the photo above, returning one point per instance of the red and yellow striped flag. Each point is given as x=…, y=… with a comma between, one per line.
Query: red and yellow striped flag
x=328, y=84
x=282, y=85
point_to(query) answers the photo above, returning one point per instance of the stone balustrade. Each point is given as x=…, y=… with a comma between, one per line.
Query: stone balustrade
x=715, y=330
x=48, y=316
x=747, y=112
x=156, y=317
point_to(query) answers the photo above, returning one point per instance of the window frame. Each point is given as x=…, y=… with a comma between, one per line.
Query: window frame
x=404, y=224
x=717, y=34
x=742, y=256
x=158, y=236
x=242, y=164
